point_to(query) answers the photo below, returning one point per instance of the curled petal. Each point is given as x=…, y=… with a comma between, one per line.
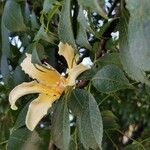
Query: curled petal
x=74, y=73
x=77, y=70
x=40, y=73
x=68, y=52
x=27, y=88
x=38, y=109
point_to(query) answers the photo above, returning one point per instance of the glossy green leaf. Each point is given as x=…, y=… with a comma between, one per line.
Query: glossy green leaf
x=110, y=79
x=89, y=122
x=94, y=5
x=131, y=67
x=109, y=59
x=65, y=24
x=13, y=18
x=60, y=129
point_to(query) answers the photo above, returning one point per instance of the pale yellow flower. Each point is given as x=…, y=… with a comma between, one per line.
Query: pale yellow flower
x=48, y=83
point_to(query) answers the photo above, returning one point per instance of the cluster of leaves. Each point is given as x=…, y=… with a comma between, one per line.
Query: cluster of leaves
x=110, y=98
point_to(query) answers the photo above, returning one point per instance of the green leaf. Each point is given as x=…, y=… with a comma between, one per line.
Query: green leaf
x=134, y=146
x=65, y=30
x=81, y=38
x=110, y=58
x=94, y=5
x=5, y=53
x=60, y=125
x=38, y=53
x=18, y=75
x=46, y=36
x=20, y=122
x=109, y=120
x=25, y=139
x=76, y=102
x=48, y=5
x=110, y=79
x=129, y=57
x=89, y=122
x=12, y=17
x=138, y=32
x=88, y=74
x=34, y=22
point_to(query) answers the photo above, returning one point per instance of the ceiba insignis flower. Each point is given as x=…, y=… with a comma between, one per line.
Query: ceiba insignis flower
x=48, y=83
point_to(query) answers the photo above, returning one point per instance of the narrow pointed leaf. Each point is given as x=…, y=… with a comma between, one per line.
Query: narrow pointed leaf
x=60, y=125
x=65, y=25
x=13, y=18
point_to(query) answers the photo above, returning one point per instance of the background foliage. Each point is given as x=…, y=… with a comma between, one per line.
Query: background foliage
x=110, y=106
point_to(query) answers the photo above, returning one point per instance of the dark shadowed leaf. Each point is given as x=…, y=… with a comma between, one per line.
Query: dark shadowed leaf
x=25, y=139
x=60, y=125
x=13, y=18
x=135, y=146
x=110, y=79
x=109, y=120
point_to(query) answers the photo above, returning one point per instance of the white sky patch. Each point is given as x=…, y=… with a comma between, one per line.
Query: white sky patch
x=87, y=62
x=63, y=74
x=94, y=14
x=107, y=5
x=42, y=125
x=21, y=49
x=2, y=83
x=70, y=117
x=115, y=35
x=81, y=50
x=110, y=19
x=72, y=12
x=91, y=36
x=85, y=13
x=81, y=54
x=113, y=12
x=101, y=22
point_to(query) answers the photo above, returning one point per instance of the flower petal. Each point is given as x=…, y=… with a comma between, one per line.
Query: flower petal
x=43, y=75
x=28, y=88
x=38, y=109
x=74, y=73
x=68, y=52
